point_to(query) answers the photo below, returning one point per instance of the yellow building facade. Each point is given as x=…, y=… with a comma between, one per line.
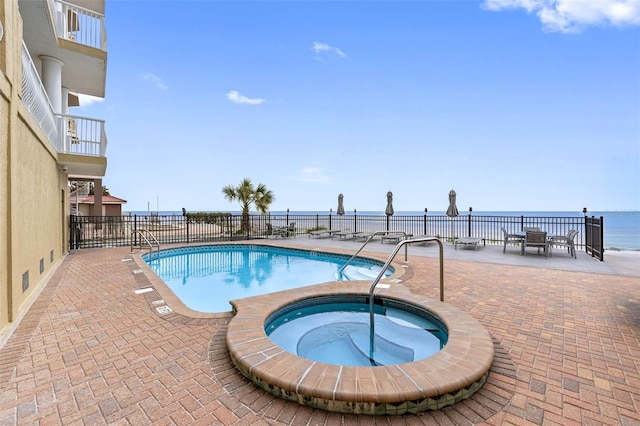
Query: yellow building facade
x=51, y=52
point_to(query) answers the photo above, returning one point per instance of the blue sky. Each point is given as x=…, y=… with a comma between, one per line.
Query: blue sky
x=517, y=105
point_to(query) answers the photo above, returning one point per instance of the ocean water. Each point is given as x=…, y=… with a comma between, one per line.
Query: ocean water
x=621, y=228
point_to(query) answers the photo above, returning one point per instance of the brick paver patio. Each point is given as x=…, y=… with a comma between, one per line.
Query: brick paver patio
x=91, y=351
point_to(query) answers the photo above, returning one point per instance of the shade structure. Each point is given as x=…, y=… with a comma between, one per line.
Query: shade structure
x=389, y=210
x=340, y=210
x=452, y=211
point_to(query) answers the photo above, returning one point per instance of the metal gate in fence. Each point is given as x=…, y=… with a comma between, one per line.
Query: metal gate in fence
x=594, y=236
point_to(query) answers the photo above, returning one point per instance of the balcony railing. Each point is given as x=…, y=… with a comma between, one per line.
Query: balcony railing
x=81, y=136
x=79, y=25
x=35, y=97
x=68, y=134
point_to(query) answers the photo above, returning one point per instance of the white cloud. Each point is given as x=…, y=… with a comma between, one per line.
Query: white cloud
x=313, y=175
x=155, y=80
x=569, y=16
x=237, y=98
x=86, y=100
x=321, y=48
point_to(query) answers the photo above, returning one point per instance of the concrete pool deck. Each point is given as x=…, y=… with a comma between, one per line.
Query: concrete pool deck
x=91, y=351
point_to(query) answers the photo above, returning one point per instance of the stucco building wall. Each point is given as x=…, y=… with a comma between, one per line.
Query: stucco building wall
x=33, y=209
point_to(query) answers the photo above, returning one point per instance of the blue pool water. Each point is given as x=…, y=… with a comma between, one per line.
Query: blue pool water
x=339, y=333
x=206, y=278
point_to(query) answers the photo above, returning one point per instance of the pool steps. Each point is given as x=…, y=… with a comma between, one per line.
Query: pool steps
x=360, y=272
x=395, y=339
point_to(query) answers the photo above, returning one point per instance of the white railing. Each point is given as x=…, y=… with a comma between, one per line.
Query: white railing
x=69, y=134
x=79, y=25
x=35, y=97
x=81, y=136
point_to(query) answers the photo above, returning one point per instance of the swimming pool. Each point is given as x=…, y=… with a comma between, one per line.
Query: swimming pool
x=206, y=277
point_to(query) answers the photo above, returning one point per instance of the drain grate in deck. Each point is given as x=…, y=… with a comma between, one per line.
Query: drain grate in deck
x=162, y=310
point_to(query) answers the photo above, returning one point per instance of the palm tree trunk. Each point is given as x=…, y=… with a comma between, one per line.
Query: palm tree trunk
x=244, y=224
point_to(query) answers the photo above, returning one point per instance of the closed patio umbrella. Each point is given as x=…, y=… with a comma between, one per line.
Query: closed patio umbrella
x=389, y=210
x=340, y=210
x=452, y=211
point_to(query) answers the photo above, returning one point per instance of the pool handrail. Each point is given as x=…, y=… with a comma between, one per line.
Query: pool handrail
x=375, y=282
x=342, y=268
x=147, y=237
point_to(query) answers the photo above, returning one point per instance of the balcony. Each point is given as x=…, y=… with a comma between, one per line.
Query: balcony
x=72, y=32
x=81, y=146
x=81, y=142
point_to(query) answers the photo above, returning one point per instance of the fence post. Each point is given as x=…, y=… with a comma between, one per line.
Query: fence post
x=469, y=231
x=355, y=221
x=425, y=222
x=135, y=229
x=586, y=243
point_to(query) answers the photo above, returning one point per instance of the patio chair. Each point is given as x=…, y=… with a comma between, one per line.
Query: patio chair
x=565, y=241
x=287, y=231
x=536, y=239
x=508, y=238
x=271, y=231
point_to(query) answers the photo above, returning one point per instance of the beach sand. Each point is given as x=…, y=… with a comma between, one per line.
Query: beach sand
x=625, y=262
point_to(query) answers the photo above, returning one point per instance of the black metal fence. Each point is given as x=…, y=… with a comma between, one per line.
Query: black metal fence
x=115, y=231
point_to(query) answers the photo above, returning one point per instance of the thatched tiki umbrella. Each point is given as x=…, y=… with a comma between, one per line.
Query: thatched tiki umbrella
x=452, y=211
x=389, y=210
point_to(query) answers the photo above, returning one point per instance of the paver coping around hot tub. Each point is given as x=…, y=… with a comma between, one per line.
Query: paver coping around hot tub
x=449, y=376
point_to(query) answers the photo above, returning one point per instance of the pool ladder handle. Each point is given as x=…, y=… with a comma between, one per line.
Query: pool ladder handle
x=375, y=282
x=147, y=237
x=367, y=242
x=404, y=242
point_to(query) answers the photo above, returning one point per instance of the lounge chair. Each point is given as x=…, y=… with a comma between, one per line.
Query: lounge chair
x=565, y=241
x=395, y=238
x=469, y=241
x=536, y=239
x=323, y=233
x=362, y=235
x=510, y=237
x=423, y=243
x=343, y=235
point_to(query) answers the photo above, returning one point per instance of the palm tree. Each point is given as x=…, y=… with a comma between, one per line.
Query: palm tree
x=247, y=195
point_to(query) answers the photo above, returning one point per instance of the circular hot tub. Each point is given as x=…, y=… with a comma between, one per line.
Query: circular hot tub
x=451, y=374
x=337, y=330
